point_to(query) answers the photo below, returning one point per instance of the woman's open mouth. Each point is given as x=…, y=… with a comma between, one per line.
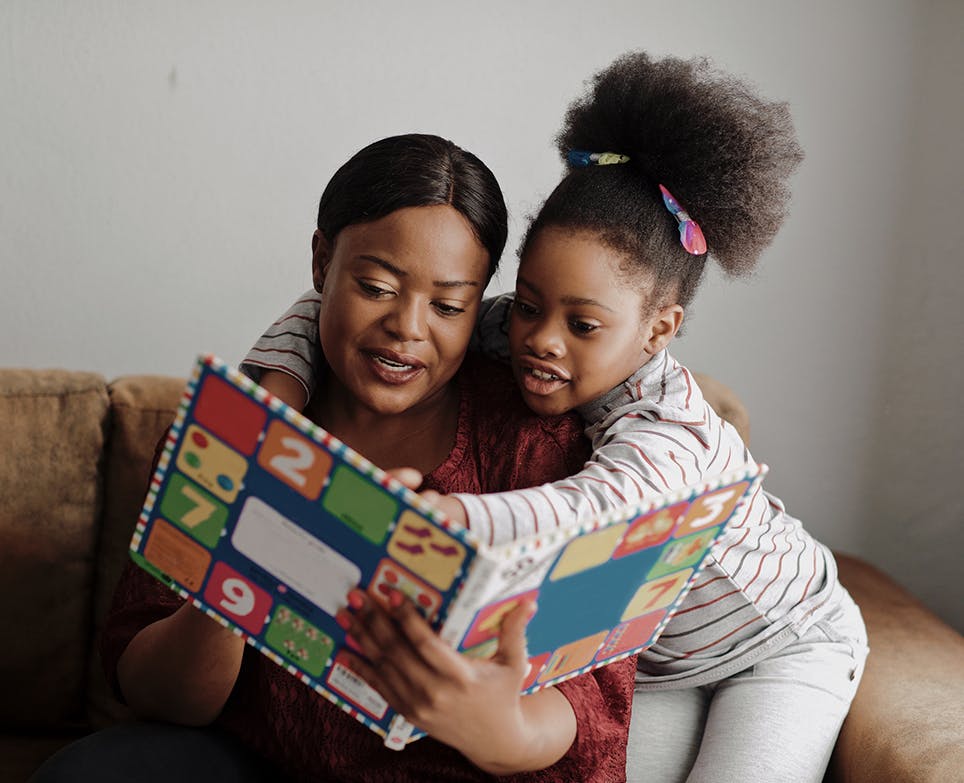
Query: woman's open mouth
x=394, y=368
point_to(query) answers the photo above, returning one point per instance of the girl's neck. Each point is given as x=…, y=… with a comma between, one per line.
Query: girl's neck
x=420, y=438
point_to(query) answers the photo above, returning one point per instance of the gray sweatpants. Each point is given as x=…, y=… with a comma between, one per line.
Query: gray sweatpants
x=775, y=721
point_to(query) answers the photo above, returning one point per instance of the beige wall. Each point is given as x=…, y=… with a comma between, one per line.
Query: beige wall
x=161, y=163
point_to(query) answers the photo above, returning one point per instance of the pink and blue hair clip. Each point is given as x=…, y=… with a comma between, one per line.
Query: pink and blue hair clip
x=690, y=234
x=581, y=158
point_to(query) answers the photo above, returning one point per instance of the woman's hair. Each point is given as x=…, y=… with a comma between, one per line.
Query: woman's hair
x=723, y=152
x=415, y=170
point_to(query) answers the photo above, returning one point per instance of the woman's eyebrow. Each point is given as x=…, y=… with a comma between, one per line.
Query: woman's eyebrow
x=402, y=273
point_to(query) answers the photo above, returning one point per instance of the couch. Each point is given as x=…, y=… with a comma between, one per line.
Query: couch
x=73, y=473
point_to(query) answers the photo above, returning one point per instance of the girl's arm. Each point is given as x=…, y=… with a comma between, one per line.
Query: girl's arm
x=471, y=704
x=286, y=359
x=641, y=448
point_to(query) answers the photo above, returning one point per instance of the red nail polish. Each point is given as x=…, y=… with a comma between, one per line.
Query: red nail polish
x=355, y=600
x=343, y=619
x=395, y=598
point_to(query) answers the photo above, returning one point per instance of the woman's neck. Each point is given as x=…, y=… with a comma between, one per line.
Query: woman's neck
x=420, y=438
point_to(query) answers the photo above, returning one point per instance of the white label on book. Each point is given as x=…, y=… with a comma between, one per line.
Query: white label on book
x=298, y=559
x=347, y=683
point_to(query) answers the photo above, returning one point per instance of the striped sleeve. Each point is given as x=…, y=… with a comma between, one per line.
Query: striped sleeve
x=290, y=344
x=641, y=453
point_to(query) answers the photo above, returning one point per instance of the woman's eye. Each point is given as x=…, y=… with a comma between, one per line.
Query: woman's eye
x=447, y=309
x=373, y=290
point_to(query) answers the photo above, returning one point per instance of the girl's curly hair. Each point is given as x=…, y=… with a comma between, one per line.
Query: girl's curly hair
x=724, y=152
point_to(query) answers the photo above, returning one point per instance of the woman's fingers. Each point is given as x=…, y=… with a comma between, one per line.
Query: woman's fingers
x=512, y=636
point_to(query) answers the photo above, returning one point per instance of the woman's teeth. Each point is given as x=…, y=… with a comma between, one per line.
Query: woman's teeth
x=393, y=365
x=544, y=376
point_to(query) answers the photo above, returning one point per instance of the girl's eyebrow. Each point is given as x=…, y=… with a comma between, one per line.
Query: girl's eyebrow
x=402, y=273
x=571, y=301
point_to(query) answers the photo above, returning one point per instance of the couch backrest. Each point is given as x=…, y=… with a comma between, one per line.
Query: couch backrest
x=54, y=426
x=73, y=474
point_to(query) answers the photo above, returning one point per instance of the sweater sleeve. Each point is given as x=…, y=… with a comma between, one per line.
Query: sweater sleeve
x=290, y=344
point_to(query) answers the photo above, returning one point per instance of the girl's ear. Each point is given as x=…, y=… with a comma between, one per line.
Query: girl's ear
x=662, y=327
x=320, y=259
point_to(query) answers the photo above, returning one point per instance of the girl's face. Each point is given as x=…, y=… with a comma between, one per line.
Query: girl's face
x=578, y=327
x=400, y=298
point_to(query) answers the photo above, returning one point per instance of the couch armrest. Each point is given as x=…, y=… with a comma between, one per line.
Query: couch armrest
x=907, y=720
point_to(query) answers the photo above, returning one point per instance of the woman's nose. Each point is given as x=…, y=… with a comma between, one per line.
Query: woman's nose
x=407, y=321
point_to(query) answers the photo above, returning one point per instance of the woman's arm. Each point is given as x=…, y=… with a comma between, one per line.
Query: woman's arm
x=469, y=703
x=181, y=668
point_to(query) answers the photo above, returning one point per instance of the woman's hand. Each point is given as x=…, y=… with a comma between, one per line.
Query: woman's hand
x=472, y=704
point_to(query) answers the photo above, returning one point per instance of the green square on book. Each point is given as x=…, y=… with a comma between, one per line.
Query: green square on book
x=364, y=507
x=299, y=641
x=194, y=510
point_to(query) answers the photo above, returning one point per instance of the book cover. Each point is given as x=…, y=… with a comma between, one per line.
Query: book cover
x=265, y=522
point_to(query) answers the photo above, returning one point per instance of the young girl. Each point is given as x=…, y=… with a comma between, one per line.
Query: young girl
x=670, y=163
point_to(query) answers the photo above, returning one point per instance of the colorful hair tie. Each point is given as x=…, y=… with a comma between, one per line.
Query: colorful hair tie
x=581, y=158
x=690, y=234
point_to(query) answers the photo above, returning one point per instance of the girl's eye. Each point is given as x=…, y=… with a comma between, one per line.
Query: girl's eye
x=447, y=309
x=525, y=309
x=583, y=327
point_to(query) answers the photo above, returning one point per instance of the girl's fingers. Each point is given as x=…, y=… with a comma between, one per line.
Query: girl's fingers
x=409, y=477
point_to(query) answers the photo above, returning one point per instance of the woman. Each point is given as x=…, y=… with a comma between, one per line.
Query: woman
x=409, y=233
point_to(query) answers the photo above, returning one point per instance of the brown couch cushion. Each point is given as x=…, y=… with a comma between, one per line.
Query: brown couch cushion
x=906, y=720
x=49, y=511
x=142, y=407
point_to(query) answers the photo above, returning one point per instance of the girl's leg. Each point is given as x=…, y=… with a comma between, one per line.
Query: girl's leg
x=665, y=734
x=778, y=721
x=154, y=753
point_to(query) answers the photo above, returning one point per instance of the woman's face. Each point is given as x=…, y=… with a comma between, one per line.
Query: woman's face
x=400, y=296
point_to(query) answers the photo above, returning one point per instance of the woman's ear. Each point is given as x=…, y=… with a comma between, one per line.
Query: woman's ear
x=662, y=327
x=320, y=259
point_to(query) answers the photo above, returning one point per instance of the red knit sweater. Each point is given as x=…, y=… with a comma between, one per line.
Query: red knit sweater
x=499, y=445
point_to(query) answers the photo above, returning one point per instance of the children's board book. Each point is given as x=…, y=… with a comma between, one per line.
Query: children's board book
x=264, y=521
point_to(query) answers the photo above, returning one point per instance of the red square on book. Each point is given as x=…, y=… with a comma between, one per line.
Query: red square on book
x=230, y=414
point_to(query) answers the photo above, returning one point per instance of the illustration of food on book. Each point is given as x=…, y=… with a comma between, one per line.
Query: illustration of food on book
x=265, y=522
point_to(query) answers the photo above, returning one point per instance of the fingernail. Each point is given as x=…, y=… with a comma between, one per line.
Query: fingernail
x=395, y=599
x=343, y=619
x=355, y=600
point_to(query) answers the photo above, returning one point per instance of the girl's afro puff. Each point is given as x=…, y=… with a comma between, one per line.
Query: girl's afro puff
x=725, y=153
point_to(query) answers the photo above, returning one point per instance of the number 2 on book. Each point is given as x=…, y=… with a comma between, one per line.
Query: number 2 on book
x=295, y=460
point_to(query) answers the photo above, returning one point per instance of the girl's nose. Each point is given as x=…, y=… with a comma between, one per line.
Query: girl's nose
x=406, y=321
x=545, y=341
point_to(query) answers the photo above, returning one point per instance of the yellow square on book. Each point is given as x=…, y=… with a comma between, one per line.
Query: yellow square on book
x=275, y=521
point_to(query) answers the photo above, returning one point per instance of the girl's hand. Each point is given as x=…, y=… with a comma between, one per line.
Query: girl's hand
x=448, y=505
x=472, y=704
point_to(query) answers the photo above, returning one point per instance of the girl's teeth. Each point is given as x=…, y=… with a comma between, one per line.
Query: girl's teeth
x=544, y=376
